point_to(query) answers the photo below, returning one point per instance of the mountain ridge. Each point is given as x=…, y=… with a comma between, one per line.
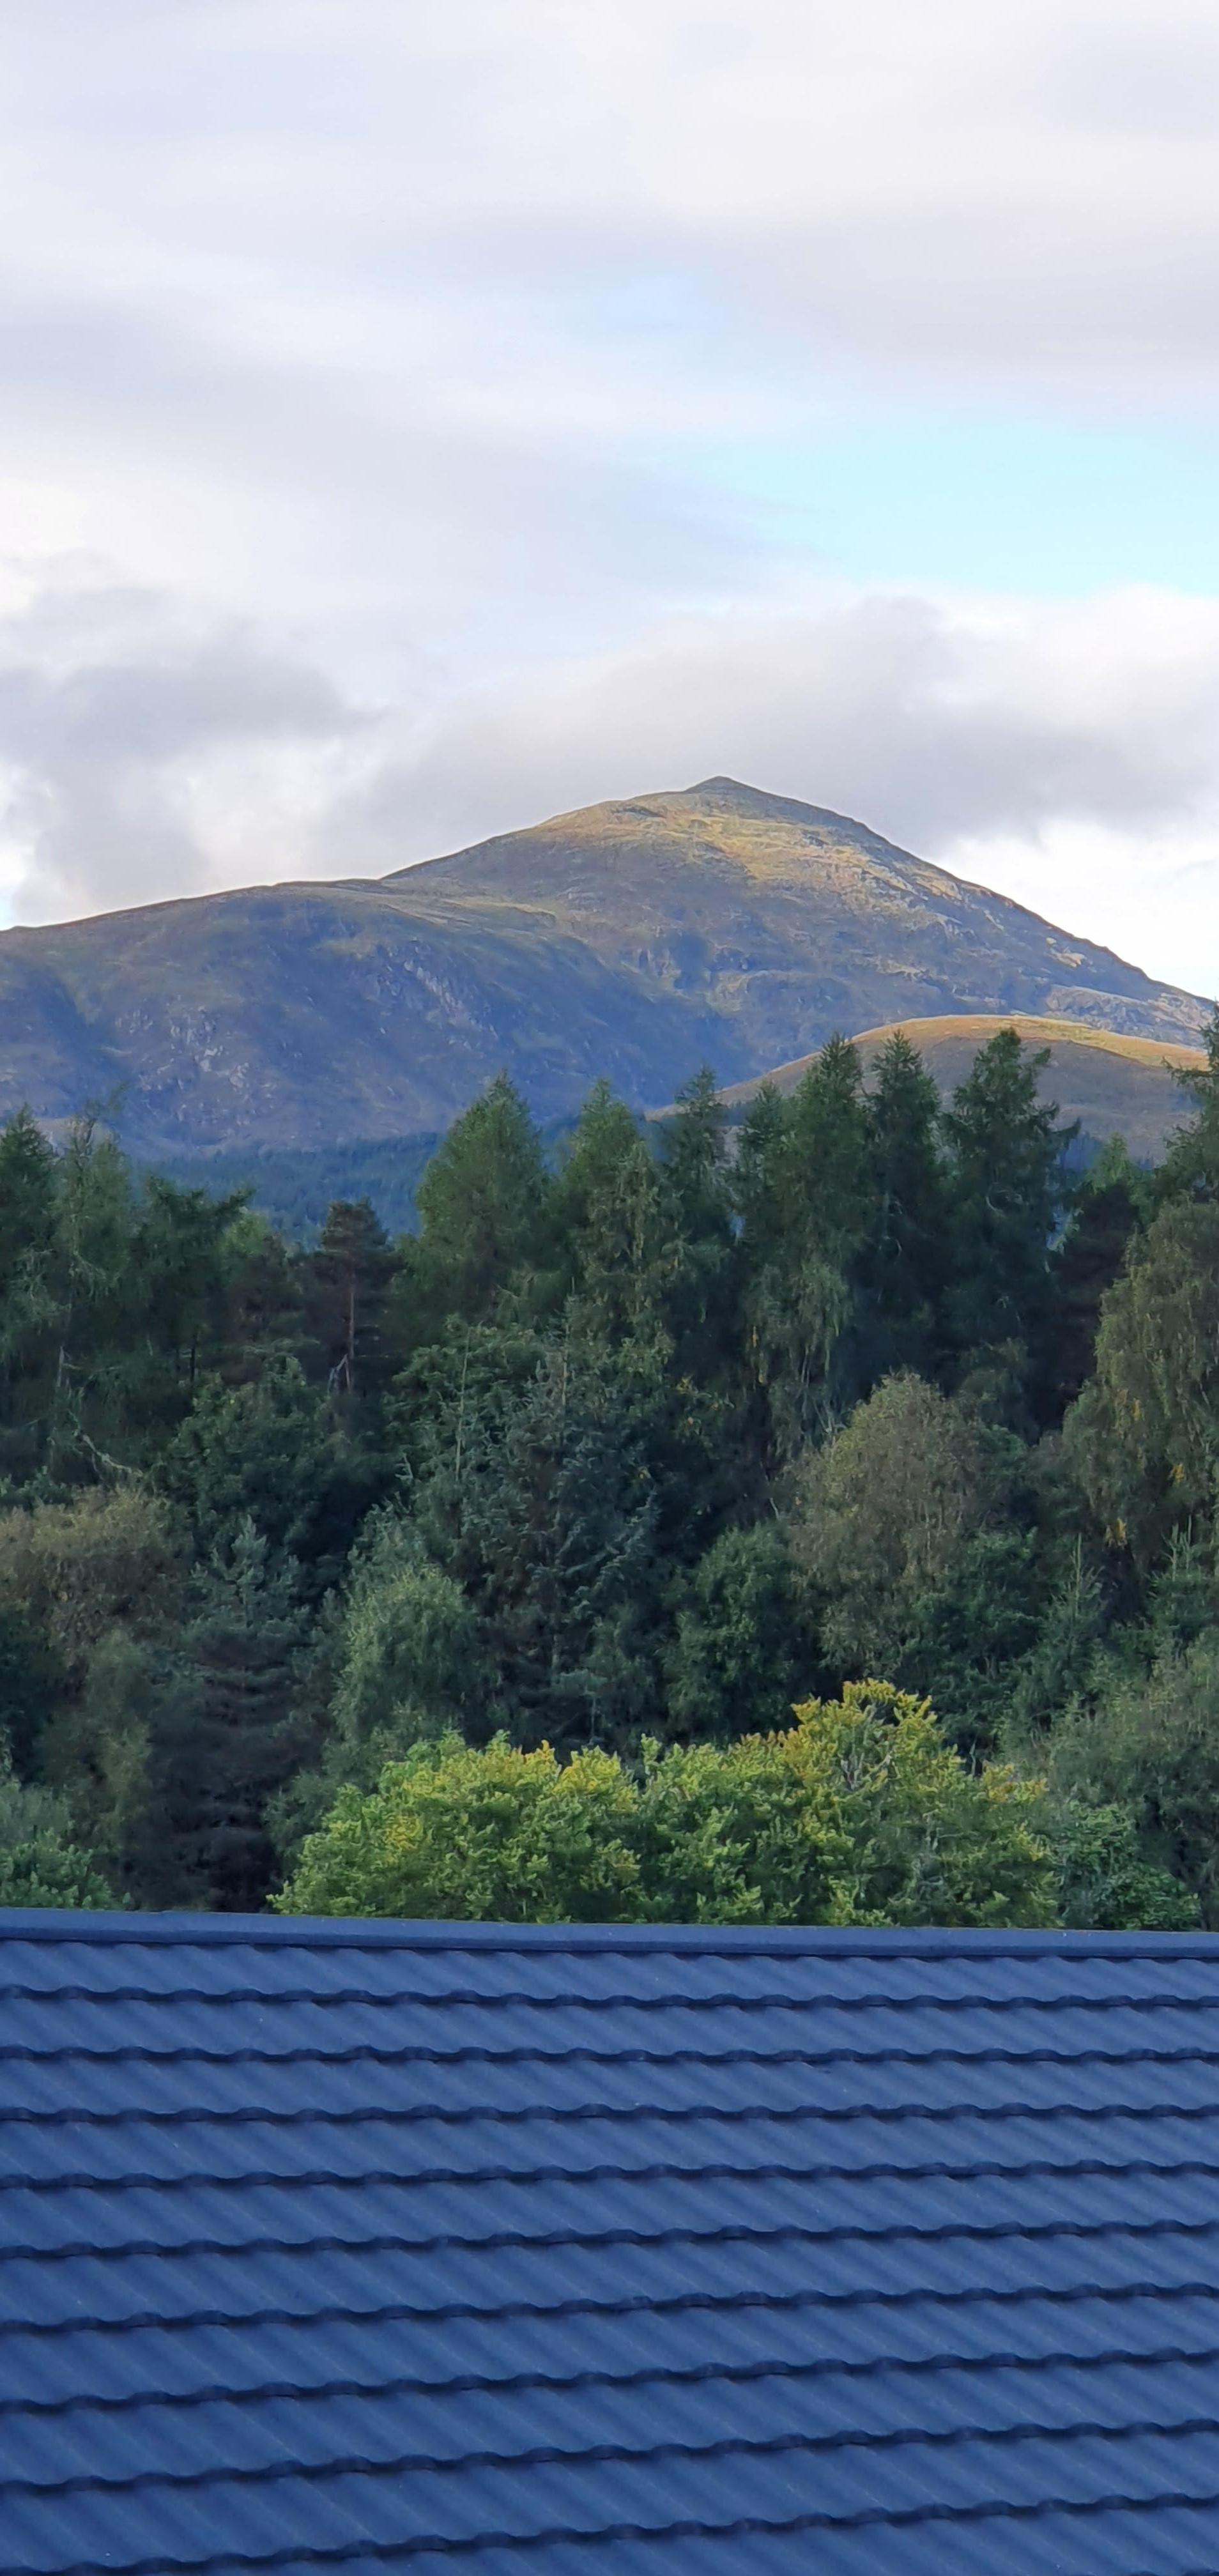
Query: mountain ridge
x=637, y=938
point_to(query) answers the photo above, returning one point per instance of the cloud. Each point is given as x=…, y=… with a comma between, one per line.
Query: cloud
x=146, y=750
x=384, y=360
x=1066, y=752
x=1053, y=749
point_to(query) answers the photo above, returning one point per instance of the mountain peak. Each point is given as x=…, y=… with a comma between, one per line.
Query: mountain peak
x=635, y=939
x=735, y=796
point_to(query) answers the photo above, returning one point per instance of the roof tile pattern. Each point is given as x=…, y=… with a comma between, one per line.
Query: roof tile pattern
x=579, y=2253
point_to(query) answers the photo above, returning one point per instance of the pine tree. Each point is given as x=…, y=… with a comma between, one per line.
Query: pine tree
x=350, y=1275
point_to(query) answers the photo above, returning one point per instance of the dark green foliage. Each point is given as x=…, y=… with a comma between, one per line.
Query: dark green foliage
x=30, y=1676
x=274, y=1450
x=349, y=1279
x=1104, y=1880
x=40, y=1864
x=295, y=1189
x=743, y=1646
x=904, y=1264
x=482, y=1212
x=545, y=1510
x=1005, y=1149
x=226, y=1741
x=1190, y=1168
x=629, y=1447
x=1108, y=1210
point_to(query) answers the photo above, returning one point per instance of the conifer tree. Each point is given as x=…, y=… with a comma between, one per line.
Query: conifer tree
x=350, y=1275
x=28, y=1198
x=617, y=1234
x=1109, y=1211
x=800, y=1303
x=29, y=1291
x=698, y=1200
x=227, y=1742
x=1005, y=1149
x=1191, y=1166
x=904, y=1264
x=483, y=1204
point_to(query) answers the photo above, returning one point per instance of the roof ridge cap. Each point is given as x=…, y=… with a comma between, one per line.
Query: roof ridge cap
x=36, y=1924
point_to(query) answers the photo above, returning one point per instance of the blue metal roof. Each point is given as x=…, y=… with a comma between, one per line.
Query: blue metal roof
x=567, y=2252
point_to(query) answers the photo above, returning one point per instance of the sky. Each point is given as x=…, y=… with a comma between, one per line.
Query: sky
x=419, y=417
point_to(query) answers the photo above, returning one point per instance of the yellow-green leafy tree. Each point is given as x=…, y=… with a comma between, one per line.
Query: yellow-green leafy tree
x=859, y=1813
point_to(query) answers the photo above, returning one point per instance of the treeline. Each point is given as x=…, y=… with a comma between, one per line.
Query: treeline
x=482, y=1572
x=296, y=1186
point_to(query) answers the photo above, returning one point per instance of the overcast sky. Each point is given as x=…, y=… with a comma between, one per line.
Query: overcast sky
x=421, y=416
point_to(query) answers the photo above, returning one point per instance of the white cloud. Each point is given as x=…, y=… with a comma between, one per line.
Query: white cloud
x=144, y=749
x=372, y=352
x=1066, y=753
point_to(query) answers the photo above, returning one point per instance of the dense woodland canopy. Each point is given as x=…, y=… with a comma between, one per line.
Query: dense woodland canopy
x=813, y=1520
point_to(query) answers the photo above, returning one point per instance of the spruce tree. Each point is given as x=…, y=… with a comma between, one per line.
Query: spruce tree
x=698, y=1201
x=1005, y=1153
x=227, y=1742
x=903, y=1268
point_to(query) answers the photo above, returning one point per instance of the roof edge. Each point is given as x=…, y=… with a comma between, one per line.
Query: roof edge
x=274, y=1931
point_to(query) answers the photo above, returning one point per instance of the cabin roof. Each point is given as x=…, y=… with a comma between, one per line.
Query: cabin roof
x=569, y=2251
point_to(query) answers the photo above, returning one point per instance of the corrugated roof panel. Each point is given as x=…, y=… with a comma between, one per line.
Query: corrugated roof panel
x=560, y=2253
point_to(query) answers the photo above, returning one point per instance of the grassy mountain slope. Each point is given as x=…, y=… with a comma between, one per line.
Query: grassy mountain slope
x=632, y=939
x=1115, y=1085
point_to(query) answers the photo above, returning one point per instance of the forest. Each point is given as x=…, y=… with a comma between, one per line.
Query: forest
x=812, y=1520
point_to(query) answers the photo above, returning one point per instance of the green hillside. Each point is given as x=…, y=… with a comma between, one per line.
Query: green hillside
x=635, y=940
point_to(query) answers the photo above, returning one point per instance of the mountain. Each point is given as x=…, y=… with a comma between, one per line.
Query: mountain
x=1112, y=1084
x=636, y=940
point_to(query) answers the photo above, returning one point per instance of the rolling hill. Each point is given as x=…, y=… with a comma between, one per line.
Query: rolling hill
x=635, y=939
x=1112, y=1084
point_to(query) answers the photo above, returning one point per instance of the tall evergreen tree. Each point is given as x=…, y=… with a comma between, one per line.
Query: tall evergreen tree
x=1191, y=1166
x=349, y=1277
x=28, y=1198
x=29, y=1291
x=1109, y=1211
x=556, y=1541
x=698, y=1197
x=227, y=1741
x=616, y=1233
x=904, y=1263
x=483, y=1206
x=800, y=1303
x=1005, y=1148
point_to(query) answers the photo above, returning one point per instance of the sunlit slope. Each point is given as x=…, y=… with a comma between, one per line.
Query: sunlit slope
x=1114, y=1084
x=635, y=940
